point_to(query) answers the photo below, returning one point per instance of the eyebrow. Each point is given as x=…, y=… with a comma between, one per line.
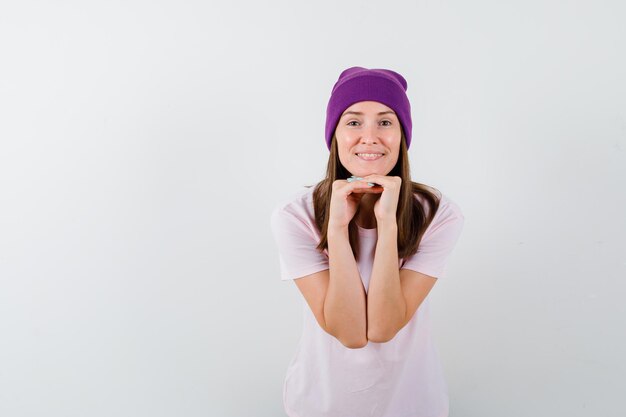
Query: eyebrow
x=358, y=113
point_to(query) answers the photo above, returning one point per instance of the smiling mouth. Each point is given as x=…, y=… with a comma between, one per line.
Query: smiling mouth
x=369, y=156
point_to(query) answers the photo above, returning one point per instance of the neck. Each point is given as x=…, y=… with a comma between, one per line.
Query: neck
x=366, y=217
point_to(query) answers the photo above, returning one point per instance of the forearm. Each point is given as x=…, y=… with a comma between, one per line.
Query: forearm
x=386, y=306
x=345, y=303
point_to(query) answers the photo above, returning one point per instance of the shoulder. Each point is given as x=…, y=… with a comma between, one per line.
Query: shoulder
x=297, y=205
x=448, y=207
x=299, y=201
x=293, y=220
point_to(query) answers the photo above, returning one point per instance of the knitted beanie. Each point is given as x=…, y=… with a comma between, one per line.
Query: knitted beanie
x=362, y=84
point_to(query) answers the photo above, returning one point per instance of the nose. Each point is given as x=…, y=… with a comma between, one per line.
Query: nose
x=369, y=140
x=369, y=135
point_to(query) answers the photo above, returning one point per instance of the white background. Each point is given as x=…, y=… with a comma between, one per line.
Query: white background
x=144, y=144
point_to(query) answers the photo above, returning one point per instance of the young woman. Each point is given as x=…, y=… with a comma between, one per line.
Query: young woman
x=365, y=247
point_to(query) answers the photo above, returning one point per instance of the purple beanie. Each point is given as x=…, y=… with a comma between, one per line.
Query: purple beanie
x=362, y=84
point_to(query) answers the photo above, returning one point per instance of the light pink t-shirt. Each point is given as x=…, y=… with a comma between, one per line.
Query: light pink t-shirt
x=400, y=378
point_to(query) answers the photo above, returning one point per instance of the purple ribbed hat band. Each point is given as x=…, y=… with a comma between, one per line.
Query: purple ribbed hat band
x=361, y=84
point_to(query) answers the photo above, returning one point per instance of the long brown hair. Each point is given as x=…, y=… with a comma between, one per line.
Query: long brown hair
x=411, y=217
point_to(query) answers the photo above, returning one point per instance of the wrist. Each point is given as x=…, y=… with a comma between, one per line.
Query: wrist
x=337, y=229
x=386, y=223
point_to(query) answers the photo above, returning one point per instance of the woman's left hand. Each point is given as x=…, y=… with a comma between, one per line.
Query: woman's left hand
x=386, y=206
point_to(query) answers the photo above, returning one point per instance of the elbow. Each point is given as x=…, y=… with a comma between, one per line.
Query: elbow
x=354, y=344
x=379, y=337
x=350, y=343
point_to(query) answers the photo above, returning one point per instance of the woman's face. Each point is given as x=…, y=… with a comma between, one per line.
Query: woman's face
x=368, y=127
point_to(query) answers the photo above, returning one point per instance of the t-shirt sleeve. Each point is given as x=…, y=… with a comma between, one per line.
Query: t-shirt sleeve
x=297, y=253
x=437, y=242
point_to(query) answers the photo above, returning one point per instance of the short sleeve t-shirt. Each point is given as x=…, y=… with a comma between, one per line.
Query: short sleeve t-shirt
x=400, y=378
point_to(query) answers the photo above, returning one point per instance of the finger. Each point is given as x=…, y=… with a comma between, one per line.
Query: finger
x=390, y=181
x=379, y=191
x=360, y=186
x=366, y=184
x=361, y=180
x=377, y=179
x=370, y=190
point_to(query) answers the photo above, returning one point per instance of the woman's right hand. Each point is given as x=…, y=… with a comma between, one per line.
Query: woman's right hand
x=344, y=201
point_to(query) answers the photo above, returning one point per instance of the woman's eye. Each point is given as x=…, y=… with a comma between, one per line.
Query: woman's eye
x=354, y=121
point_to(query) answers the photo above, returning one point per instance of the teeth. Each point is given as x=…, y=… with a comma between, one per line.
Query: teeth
x=371, y=155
